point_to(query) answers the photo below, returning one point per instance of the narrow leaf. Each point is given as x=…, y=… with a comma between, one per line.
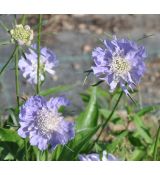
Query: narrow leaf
x=99, y=82
x=76, y=145
x=56, y=89
x=89, y=118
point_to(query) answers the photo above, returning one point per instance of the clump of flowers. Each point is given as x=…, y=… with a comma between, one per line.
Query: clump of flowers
x=96, y=157
x=28, y=64
x=22, y=34
x=119, y=62
x=41, y=121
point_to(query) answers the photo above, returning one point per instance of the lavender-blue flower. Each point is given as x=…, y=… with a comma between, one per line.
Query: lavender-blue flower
x=96, y=157
x=119, y=62
x=43, y=124
x=28, y=64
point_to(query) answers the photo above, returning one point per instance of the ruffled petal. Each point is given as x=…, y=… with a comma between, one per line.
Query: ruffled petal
x=56, y=103
x=121, y=63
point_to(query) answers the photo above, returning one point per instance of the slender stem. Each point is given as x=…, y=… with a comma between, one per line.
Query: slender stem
x=46, y=154
x=156, y=144
x=26, y=152
x=17, y=76
x=5, y=43
x=4, y=67
x=38, y=53
x=39, y=155
x=109, y=117
x=23, y=19
x=15, y=19
x=4, y=26
x=1, y=120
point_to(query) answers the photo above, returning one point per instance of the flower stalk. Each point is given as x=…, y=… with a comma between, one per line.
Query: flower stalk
x=109, y=117
x=38, y=53
x=17, y=76
x=9, y=60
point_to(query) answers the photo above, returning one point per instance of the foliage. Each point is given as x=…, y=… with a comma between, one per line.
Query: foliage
x=127, y=134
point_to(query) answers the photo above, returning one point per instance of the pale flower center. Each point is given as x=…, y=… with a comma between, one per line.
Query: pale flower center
x=120, y=66
x=22, y=34
x=48, y=121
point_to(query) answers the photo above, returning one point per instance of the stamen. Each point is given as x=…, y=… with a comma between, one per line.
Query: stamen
x=47, y=121
x=22, y=34
x=120, y=66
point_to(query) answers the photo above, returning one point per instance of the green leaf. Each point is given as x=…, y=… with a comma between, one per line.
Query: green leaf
x=55, y=155
x=8, y=135
x=140, y=130
x=56, y=89
x=85, y=97
x=145, y=110
x=6, y=153
x=11, y=144
x=112, y=146
x=9, y=151
x=138, y=154
x=106, y=113
x=74, y=147
x=89, y=118
x=135, y=141
x=12, y=115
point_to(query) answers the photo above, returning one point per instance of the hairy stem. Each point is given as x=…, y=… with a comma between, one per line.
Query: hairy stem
x=38, y=53
x=109, y=117
x=26, y=152
x=9, y=60
x=17, y=76
x=46, y=154
x=23, y=19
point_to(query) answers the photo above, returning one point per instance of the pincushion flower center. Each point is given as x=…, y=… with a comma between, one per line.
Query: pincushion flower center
x=120, y=66
x=47, y=121
x=22, y=33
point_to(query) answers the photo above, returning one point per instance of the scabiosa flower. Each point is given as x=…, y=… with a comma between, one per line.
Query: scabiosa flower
x=120, y=62
x=43, y=124
x=96, y=157
x=28, y=64
x=22, y=34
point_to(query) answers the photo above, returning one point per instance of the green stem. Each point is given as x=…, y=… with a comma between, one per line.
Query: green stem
x=109, y=117
x=156, y=144
x=5, y=43
x=38, y=155
x=15, y=19
x=23, y=19
x=38, y=52
x=4, y=67
x=26, y=152
x=1, y=120
x=17, y=76
x=46, y=154
x=4, y=26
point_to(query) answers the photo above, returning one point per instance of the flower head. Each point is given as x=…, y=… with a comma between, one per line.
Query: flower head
x=96, y=157
x=120, y=62
x=28, y=64
x=41, y=121
x=22, y=34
